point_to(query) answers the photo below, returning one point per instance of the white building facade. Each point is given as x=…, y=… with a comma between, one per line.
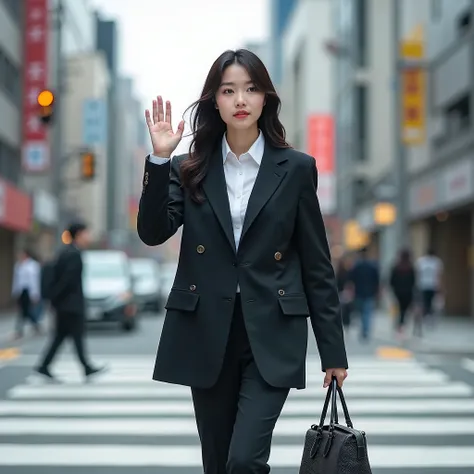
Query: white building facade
x=87, y=83
x=306, y=91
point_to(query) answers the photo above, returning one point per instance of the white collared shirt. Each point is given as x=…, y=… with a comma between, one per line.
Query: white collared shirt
x=26, y=276
x=240, y=176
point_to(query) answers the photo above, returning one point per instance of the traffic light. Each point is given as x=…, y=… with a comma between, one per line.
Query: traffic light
x=87, y=166
x=46, y=105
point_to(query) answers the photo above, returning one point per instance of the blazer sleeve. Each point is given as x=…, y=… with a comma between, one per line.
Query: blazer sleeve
x=318, y=274
x=161, y=207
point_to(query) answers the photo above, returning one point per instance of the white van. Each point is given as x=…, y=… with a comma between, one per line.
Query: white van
x=108, y=288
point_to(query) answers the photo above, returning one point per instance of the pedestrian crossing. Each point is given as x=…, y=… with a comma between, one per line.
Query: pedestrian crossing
x=416, y=419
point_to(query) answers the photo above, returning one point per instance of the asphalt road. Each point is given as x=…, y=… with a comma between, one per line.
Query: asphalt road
x=418, y=412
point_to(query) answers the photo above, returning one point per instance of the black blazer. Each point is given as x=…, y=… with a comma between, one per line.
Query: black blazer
x=67, y=294
x=282, y=265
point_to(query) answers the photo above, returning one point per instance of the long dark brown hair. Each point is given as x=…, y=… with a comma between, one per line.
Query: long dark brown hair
x=208, y=127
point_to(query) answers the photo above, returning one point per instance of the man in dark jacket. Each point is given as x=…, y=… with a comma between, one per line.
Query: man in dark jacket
x=365, y=279
x=67, y=299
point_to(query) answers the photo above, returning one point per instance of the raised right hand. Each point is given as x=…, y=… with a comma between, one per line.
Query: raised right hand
x=163, y=139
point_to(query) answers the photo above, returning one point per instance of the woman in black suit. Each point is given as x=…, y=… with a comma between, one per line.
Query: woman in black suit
x=254, y=263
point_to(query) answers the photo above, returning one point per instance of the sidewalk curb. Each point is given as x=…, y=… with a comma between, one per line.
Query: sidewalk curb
x=417, y=346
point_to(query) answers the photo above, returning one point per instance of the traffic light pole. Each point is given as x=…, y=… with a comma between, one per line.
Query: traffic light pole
x=57, y=144
x=400, y=152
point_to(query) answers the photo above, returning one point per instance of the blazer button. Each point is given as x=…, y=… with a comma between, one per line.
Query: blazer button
x=200, y=249
x=192, y=287
x=277, y=255
x=281, y=292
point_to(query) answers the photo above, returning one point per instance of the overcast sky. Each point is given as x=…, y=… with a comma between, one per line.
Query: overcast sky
x=169, y=46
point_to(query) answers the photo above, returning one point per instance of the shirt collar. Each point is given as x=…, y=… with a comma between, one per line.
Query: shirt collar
x=255, y=151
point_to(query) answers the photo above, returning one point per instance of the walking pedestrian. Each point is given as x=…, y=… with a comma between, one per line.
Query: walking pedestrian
x=403, y=284
x=365, y=279
x=67, y=300
x=254, y=262
x=429, y=276
x=26, y=291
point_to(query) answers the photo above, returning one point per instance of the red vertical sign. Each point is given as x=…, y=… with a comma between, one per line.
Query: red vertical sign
x=320, y=144
x=36, y=32
x=321, y=141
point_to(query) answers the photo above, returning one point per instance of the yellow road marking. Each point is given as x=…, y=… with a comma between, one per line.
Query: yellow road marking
x=9, y=353
x=388, y=352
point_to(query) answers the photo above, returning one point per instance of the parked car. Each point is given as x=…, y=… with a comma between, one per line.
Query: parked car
x=146, y=276
x=108, y=288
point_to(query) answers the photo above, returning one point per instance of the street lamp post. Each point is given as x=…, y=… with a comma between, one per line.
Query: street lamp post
x=400, y=152
x=57, y=145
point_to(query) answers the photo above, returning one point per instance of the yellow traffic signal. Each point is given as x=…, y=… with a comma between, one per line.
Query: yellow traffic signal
x=88, y=166
x=45, y=101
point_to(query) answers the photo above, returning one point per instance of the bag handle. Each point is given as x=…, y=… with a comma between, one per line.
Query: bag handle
x=325, y=407
x=343, y=402
x=331, y=395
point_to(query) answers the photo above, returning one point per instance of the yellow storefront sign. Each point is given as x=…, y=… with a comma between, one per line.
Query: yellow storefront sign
x=385, y=213
x=413, y=89
x=355, y=238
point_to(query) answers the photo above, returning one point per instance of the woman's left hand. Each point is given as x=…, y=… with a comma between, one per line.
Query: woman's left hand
x=340, y=375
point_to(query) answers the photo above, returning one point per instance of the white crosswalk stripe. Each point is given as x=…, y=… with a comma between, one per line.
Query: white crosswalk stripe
x=404, y=407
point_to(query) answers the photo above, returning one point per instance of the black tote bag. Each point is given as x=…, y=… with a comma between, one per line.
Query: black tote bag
x=335, y=448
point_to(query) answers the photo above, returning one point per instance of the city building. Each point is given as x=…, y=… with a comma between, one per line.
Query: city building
x=441, y=187
x=122, y=174
x=15, y=203
x=306, y=94
x=85, y=178
x=362, y=47
x=107, y=42
x=262, y=50
x=435, y=140
x=45, y=69
x=280, y=14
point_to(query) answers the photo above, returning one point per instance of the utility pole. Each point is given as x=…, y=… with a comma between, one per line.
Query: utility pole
x=400, y=152
x=57, y=144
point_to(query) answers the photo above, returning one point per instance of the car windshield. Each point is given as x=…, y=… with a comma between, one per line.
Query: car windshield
x=108, y=269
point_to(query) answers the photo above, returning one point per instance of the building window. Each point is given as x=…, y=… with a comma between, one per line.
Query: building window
x=361, y=28
x=458, y=115
x=10, y=164
x=10, y=79
x=463, y=23
x=361, y=124
x=15, y=8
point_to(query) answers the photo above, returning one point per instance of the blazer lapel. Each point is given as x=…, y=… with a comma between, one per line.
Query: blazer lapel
x=214, y=185
x=268, y=179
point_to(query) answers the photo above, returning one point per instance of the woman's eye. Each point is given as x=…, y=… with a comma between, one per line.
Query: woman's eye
x=227, y=91
x=253, y=89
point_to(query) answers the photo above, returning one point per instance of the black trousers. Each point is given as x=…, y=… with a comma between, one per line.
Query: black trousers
x=404, y=301
x=236, y=417
x=26, y=312
x=67, y=326
x=427, y=301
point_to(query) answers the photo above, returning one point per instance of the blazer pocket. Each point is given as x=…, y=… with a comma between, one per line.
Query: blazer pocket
x=296, y=305
x=182, y=300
